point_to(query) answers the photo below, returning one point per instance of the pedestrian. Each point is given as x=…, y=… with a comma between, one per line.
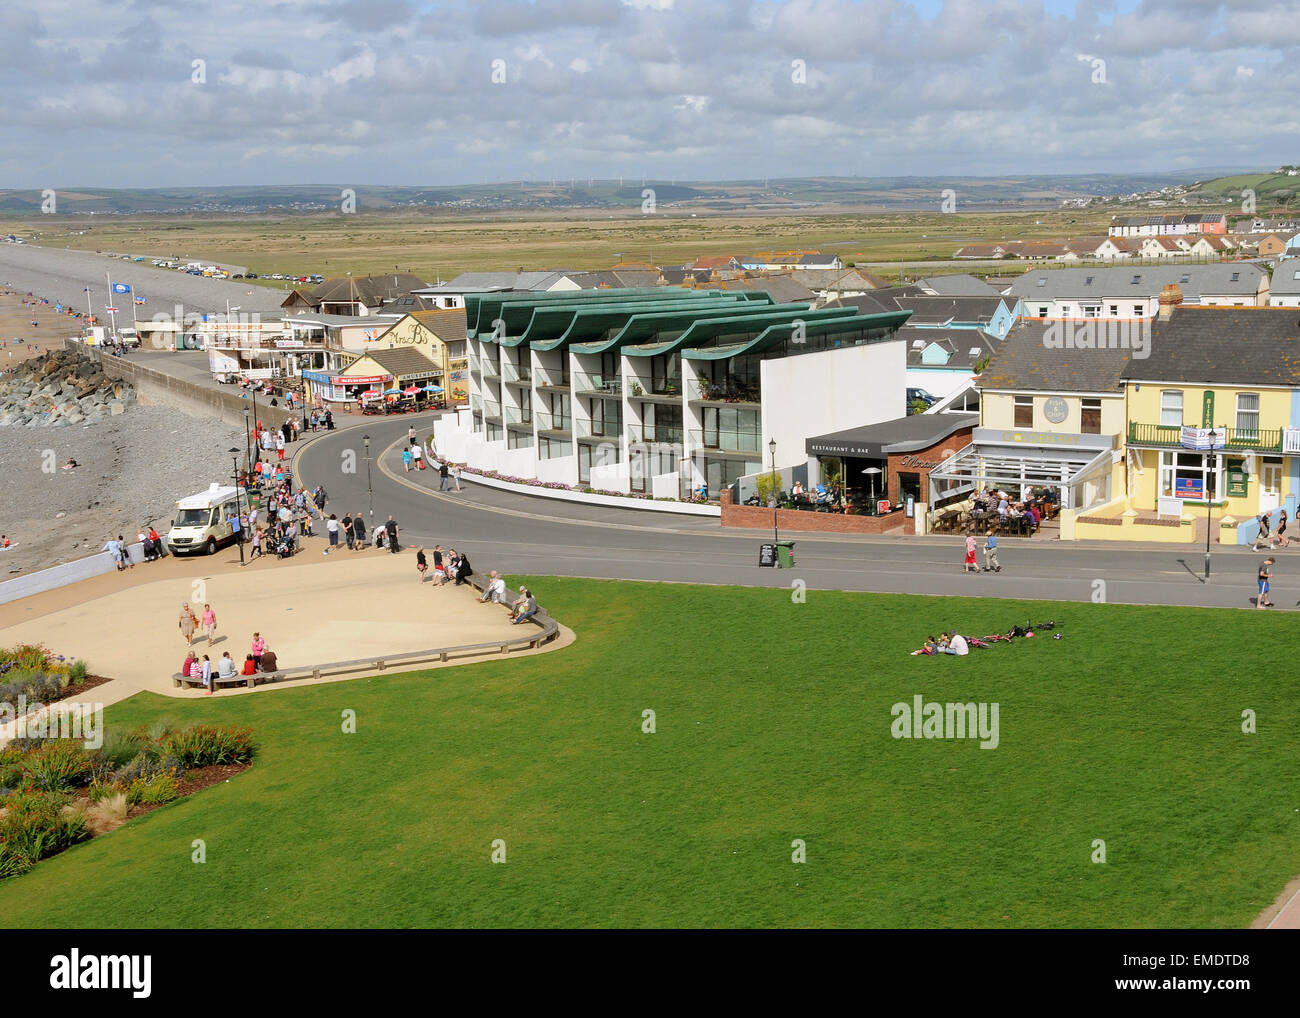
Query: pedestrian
x=258, y=645
x=443, y=474
x=332, y=528
x=1265, y=574
x=391, y=527
x=970, y=555
x=410, y=435
x=188, y=623
x=114, y=549
x=439, y=569
x=209, y=622
x=349, y=537
x=319, y=497
x=421, y=563
x=1282, y=539
x=359, y=531
x=279, y=446
x=417, y=456
x=991, y=553
x=455, y=474
x=1263, y=533
x=406, y=458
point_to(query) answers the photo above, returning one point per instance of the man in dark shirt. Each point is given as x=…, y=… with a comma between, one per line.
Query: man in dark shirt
x=359, y=530
x=348, y=534
x=268, y=660
x=391, y=527
x=1265, y=574
x=463, y=570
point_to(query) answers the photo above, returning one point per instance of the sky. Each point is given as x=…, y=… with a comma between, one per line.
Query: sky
x=147, y=93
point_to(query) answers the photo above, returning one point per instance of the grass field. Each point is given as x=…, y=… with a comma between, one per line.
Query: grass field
x=442, y=246
x=773, y=724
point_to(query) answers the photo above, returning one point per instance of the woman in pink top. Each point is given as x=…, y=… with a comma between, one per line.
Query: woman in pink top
x=209, y=622
x=259, y=645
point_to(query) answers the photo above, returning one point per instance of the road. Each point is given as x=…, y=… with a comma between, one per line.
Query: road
x=518, y=534
x=63, y=274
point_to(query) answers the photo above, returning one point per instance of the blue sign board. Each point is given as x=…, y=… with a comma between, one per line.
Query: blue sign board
x=1189, y=487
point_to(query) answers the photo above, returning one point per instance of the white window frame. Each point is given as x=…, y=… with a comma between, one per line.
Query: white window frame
x=1167, y=407
x=1252, y=429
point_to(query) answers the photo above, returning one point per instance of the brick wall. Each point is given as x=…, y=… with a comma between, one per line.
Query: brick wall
x=793, y=520
x=907, y=463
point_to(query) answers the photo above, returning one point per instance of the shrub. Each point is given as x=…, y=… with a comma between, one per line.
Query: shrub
x=152, y=791
x=120, y=748
x=37, y=826
x=144, y=764
x=58, y=765
x=11, y=767
x=77, y=672
x=205, y=745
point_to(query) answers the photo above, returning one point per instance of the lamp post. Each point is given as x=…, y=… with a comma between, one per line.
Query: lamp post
x=239, y=511
x=1209, y=505
x=771, y=448
x=370, y=491
x=302, y=375
x=248, y=442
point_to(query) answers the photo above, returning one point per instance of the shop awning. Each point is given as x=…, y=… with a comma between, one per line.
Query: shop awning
x=903, y=434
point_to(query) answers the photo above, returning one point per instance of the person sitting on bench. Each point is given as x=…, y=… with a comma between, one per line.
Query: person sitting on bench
x=530, y=609
x=250, y=666
x=268, y=660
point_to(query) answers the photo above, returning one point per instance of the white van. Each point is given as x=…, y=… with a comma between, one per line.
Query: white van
x=201, y=520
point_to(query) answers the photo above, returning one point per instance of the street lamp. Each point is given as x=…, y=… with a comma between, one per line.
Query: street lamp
x=370, y=491
x=771, y=448
x=1209, y=506
x=248, y=442
x=302, y=375
x=239, y=511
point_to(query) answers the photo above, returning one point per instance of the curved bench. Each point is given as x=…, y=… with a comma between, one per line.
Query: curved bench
x=544, y=630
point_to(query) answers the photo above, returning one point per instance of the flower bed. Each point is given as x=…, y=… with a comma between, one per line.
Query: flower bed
x=30, y=670
x=54, y=793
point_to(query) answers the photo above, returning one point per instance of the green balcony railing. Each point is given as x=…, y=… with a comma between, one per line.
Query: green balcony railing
x=1238, y=439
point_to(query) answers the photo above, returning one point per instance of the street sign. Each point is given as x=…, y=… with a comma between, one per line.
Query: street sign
x=767, y=555
x=1203, y=438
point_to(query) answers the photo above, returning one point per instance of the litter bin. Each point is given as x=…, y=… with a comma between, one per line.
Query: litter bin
x=784, y=554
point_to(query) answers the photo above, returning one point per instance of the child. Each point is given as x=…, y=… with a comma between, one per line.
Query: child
x=421, y=563
x=928, y=648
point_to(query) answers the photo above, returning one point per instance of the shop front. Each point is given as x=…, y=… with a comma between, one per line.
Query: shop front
x=323, y=387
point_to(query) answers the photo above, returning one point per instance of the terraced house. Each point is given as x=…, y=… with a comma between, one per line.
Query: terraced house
x=664, y=390
x=1217, y=368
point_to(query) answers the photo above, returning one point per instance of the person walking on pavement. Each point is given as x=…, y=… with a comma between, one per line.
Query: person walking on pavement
x=991, y=553
x=1265, y=574
x=359, y=530
x=455, y=474
x=971, y=563
x=391, y=527
x=1263, y=534
x=442, y=476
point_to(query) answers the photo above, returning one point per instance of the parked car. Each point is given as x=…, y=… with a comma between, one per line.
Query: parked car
x=916, y=394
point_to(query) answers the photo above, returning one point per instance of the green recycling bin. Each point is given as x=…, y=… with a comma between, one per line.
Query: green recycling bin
x=784, y=554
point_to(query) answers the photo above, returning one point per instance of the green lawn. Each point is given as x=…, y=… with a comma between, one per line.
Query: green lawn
x=773, y=723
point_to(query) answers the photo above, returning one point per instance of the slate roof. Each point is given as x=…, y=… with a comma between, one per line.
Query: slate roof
x=1023, y=362
x=1118, y=282
x=832, y=279
x=957, y=342
x=962, y=284
x=779, y=286
x=937, y=310
x=1223, y=346
x=1286, y=279
x=877, y=301
x=448, y=324
x=402, y=361
x=369, y=290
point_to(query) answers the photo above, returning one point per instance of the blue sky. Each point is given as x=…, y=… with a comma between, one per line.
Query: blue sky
x=349, y=92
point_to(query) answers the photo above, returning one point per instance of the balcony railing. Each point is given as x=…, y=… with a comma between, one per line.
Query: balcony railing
x=491, y=410
x=476, y=403
x=552, y=378
x=726, y=440
x=601, y=429
x=519, y=415
x=474, y=365
x=547, y=421
x=669, y=385
x=1238, y=439
x=521, y=374
x=490, y=367
x=733, y=392
x=603, y=385
x=661, y=433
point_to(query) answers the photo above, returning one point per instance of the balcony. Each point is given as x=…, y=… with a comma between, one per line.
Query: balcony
x=476, y=403
x=490, y=367
x=516, y=374
x=598, y=385
x=491, y=410
x=661, y=433
x=601, y=429
x=663, y=390
x=1168, y=436
x=519, y=415
x=547, y=421
x=550, y=378
x=734, y=391
x=474, y=365
x=726, y=440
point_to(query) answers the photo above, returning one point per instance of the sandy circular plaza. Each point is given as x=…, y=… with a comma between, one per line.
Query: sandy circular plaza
x=315, y=609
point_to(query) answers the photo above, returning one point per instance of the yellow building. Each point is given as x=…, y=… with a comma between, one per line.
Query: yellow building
x=440, y=336
x=1235, y=372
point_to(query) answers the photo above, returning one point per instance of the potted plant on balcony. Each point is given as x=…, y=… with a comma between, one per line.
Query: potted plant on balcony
x=634, y=387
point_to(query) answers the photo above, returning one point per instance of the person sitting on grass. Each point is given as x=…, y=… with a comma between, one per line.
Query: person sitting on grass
x=530, y=609
x=928, y=648
x=495, y=591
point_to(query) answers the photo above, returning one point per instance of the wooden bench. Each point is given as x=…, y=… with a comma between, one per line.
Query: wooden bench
x=187, y=682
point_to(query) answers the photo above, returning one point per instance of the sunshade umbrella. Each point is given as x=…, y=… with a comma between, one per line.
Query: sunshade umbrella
x=392, y=392
x=410, y=390
x=433, y=388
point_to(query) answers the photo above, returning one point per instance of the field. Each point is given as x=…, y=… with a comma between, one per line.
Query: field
x=772, y=724
x=441, y=246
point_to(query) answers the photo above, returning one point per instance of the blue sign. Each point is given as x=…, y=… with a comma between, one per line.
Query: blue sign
x=1189, y=487
x=319, y=377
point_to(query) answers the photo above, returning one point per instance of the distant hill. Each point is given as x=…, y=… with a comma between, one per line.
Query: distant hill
x=900, y=193
x=1271, y=189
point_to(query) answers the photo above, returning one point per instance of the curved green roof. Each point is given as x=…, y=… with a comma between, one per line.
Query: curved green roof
x=551, y=328
x=863, y=327
x=515, y=308
x=646, y=325
x=744, y=326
